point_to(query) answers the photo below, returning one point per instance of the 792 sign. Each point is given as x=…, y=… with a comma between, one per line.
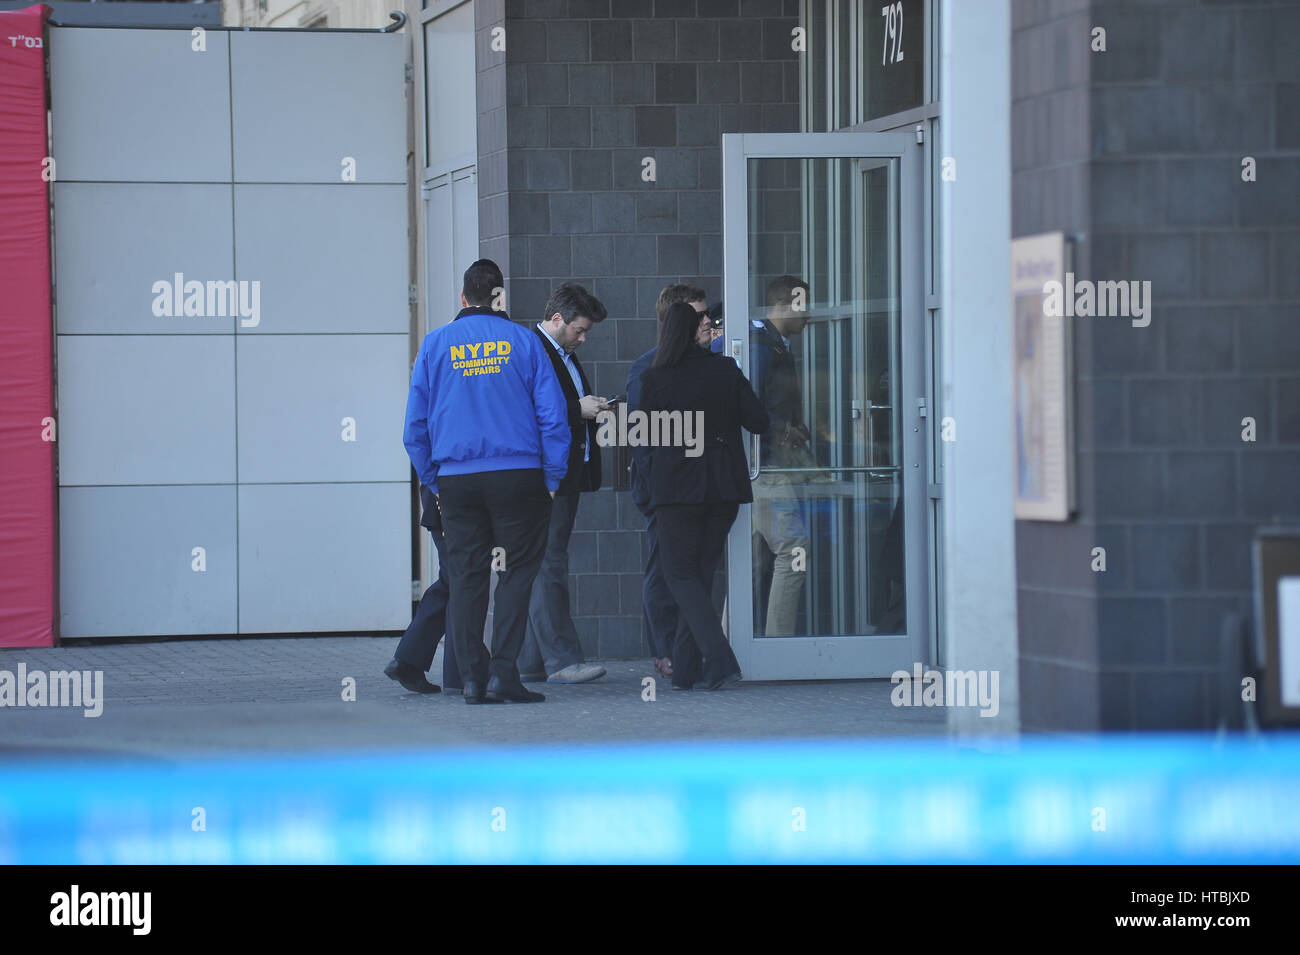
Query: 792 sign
x=891, y=49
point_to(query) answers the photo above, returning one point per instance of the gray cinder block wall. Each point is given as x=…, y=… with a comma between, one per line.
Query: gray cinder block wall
x=1140, y=150
x=584, y=92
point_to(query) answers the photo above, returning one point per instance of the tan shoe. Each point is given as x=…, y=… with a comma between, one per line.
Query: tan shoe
x=577, y=673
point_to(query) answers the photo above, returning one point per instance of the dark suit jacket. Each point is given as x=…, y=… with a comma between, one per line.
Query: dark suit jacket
x=776, y=380
x=582, y=431
x=703, y=381
x=640, y=457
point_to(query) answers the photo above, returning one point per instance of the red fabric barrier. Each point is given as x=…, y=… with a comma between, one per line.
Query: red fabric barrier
x=28, y=568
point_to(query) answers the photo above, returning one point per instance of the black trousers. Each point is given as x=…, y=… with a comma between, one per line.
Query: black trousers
x=656, y=599
x=420, y=642
x=506, y=509
x=692, y=538
x=551, y=642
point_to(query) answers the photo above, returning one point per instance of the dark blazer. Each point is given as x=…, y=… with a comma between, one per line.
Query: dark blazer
x=776, y=380
x=582, y=431
x=703, y=381
x=639, y=456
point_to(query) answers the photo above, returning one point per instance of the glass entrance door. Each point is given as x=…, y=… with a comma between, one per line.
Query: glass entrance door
x=823, y=305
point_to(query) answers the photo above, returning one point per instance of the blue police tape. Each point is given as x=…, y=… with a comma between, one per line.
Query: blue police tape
x=1112, y=799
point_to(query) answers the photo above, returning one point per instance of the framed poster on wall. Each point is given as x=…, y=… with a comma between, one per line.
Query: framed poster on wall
x=1276, y=559
x=1042, y=410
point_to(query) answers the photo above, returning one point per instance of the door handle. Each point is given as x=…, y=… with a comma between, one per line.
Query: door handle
x=753, y=458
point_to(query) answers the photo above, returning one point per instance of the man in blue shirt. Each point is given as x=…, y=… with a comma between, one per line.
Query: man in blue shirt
x=552, y=650
x=487, y=432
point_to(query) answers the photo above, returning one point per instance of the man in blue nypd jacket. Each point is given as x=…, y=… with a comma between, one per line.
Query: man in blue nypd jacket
x=487, y=432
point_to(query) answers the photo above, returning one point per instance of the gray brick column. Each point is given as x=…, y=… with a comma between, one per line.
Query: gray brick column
x=1167, y=485
x=591, y=88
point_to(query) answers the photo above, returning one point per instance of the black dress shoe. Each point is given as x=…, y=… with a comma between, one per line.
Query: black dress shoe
x=726, y=680
x=499, y=691
x=685, y=681
x=409, y=677
x=474, y=693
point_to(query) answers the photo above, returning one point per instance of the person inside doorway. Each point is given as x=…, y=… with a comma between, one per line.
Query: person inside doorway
x=780, y=533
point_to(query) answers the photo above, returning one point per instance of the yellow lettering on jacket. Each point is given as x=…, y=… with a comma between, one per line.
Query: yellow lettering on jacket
x=493, y=352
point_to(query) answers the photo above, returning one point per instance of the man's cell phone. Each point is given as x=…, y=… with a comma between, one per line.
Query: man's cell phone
x=616, y=399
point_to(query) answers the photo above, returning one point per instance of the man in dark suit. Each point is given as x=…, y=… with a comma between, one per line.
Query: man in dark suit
x=415, y=652
x=552, y=651
x=656, y=600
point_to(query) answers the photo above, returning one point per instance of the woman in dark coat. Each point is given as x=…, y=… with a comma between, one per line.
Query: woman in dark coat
x=697, y=489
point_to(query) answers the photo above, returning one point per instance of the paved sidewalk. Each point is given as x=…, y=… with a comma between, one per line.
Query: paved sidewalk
x=166, y=699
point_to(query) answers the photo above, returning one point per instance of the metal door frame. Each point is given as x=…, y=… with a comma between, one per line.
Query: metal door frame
x=836, y=657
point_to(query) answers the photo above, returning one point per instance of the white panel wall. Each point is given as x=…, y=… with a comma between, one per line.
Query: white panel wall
x=118, y=262
x=324, y=397
x=140, y=105
x=305, y=102
x=327, y=257
x=147, y=561
x=227, y=432
x=146, y=409
x=327, y=530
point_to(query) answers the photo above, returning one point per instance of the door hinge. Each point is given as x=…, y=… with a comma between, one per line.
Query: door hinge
x=921, y=409
x=408, y=70
x=920, y=133
x=412, y=294
x=415, y=590
x=934, y=491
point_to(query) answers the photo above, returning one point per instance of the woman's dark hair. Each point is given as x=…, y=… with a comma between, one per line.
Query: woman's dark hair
x=677, y=334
